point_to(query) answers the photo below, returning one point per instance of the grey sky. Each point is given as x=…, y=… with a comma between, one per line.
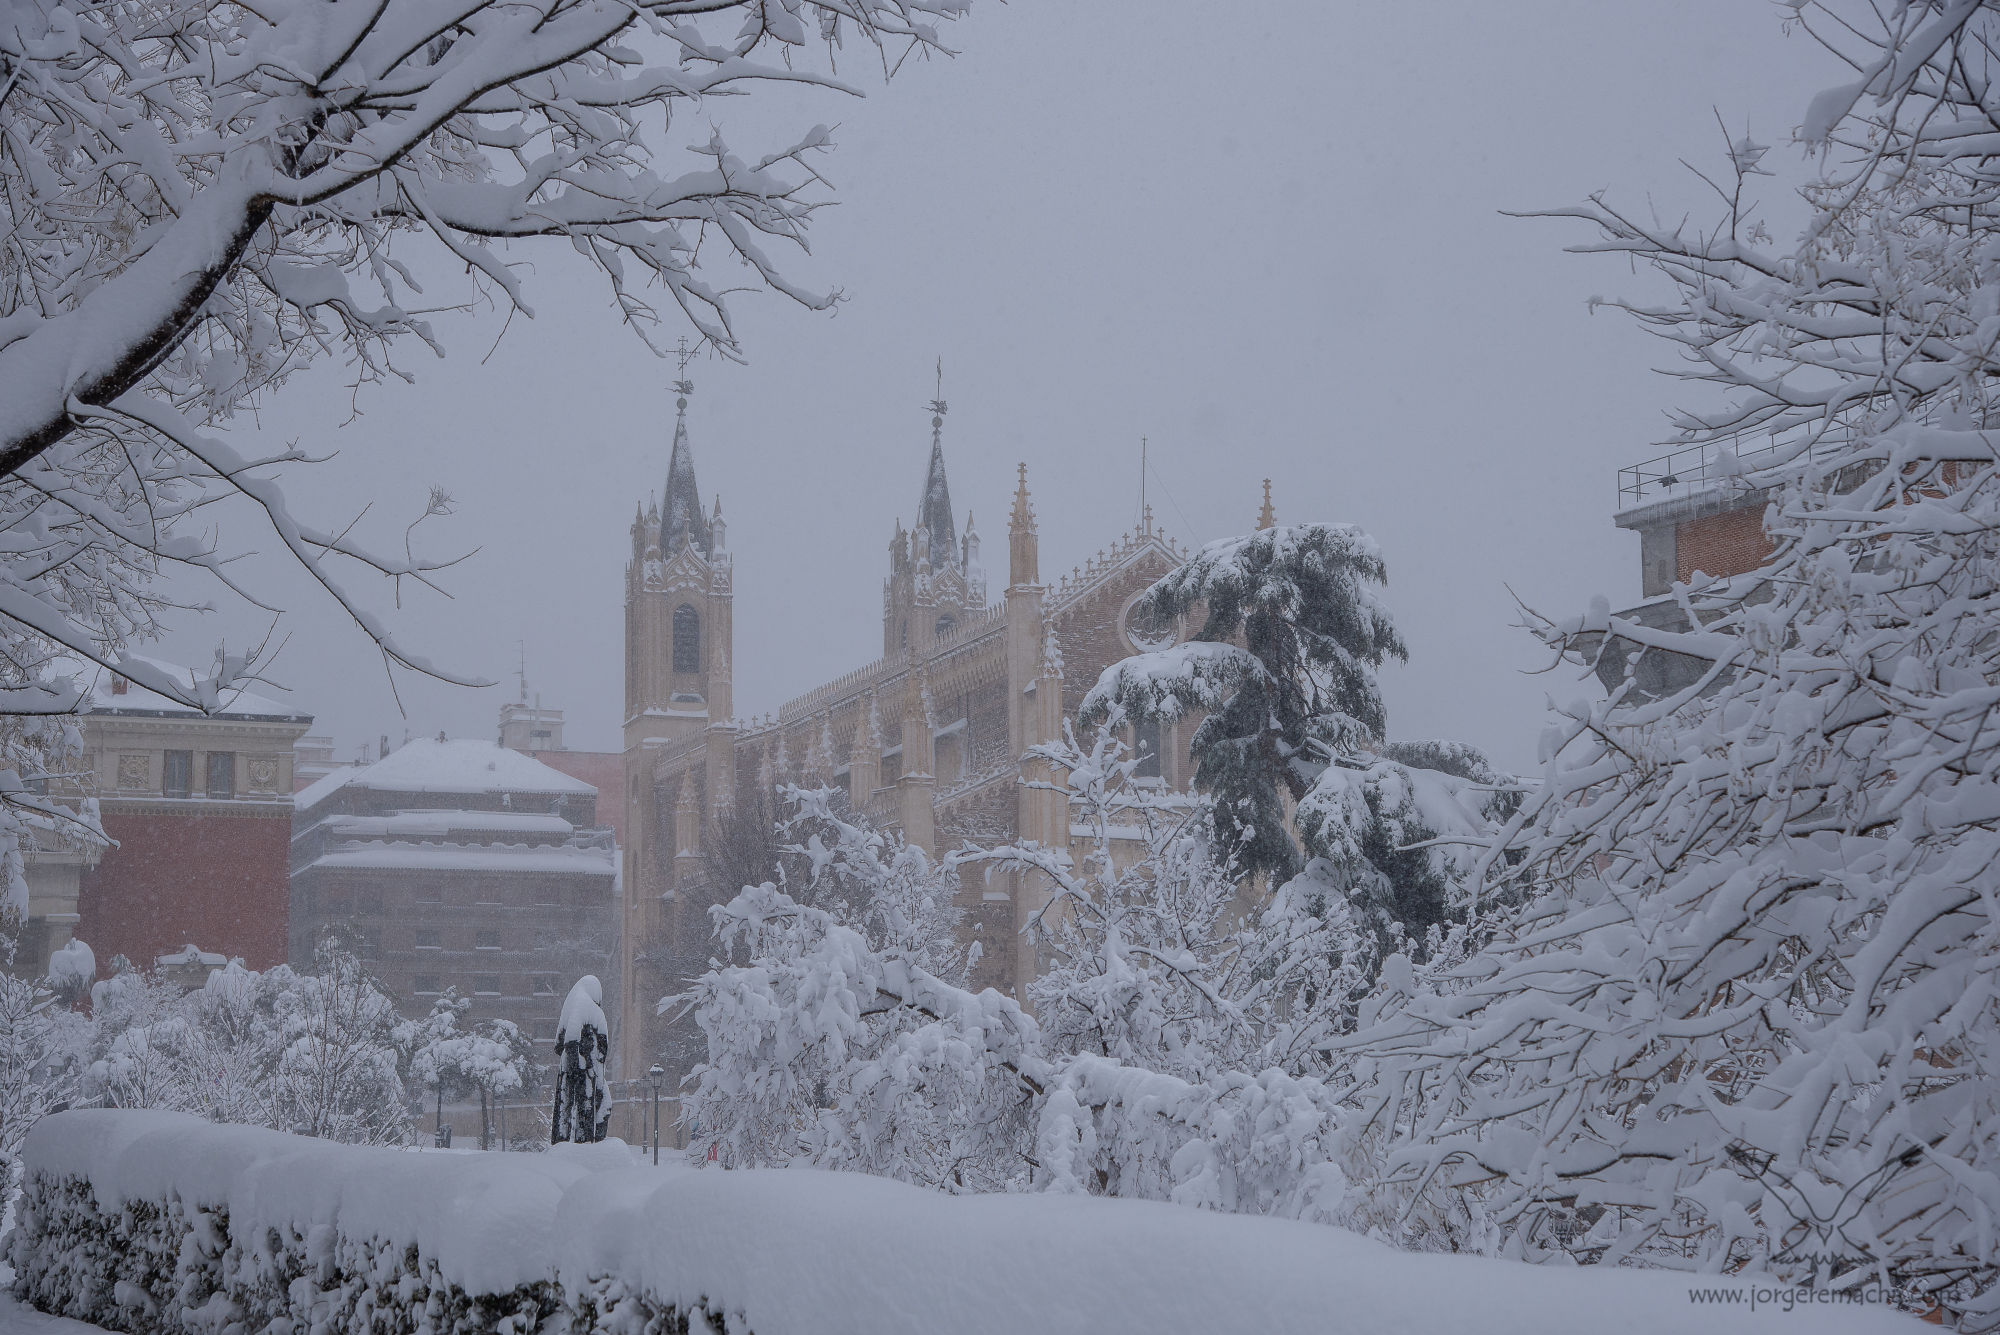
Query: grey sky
x=1265, y=237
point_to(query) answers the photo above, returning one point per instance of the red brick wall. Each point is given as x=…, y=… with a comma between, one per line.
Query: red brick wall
x=1728, y=543
x=602, y=770
x=219, y=880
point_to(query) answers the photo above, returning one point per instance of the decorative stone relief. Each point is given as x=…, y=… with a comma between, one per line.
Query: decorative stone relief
x=263, y=774
x=133, y=770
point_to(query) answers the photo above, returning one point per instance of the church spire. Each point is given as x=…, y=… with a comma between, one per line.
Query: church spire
x=681, y=519
x=934, y=506
x=1267, y=517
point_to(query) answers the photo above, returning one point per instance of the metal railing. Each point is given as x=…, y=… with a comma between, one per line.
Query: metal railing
x=1687, y=471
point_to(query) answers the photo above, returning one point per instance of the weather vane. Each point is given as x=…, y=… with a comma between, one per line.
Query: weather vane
x=937, y=405
x=683, y=386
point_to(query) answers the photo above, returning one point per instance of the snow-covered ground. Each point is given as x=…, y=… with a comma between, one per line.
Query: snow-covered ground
x=18, y=1319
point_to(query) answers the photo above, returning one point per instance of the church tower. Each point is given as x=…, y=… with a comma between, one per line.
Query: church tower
x=677, y=609
x=678, y=624
x=935, y=577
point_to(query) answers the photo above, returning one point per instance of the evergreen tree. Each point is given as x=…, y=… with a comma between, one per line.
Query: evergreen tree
x=1282, y=663
x=583, y=1045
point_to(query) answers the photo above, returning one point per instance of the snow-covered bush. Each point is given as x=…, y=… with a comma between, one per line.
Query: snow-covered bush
x=322, y=1053
x=154, y=1222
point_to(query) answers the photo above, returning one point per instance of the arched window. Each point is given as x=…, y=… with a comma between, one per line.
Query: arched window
x=1146, y=748
x=687, y=639
x=946, y=624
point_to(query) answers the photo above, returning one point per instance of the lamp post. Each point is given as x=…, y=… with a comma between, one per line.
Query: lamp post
x=657, y=1077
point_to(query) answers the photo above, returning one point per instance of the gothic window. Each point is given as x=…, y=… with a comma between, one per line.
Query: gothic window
x=946, y=624
x=687, y=639
x=1146, y=748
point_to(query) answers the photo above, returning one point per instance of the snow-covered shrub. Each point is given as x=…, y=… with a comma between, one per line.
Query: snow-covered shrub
x=322, y=1053
x=161, y=1224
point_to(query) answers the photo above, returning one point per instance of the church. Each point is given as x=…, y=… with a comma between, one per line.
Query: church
x=927, y=740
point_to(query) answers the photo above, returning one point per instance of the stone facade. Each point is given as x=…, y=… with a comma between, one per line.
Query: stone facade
x=926, y=740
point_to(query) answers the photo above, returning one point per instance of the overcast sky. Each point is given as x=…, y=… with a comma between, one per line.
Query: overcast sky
x=1267, y=238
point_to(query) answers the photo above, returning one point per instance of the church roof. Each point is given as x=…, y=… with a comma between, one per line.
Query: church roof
x=934, y=507
x=681, y=519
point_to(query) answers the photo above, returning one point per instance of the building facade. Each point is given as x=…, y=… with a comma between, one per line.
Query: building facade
x=457, y=863
x=927, y=740
x=198, y=809
x=1697, y=522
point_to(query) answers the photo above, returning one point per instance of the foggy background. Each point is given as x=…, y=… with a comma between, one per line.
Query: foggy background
x=1265, y=238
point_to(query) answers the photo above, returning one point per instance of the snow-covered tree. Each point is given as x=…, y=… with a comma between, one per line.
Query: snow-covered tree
x=336, y=1072
x=38, y=1067
x=1750, y=1015
x=583, y=1085
x=825, y=1050
x=1282, y=664
x=496, y=1059
x=435, y=1045
x=1291, y=753
x=202, y=200
x=900, y=899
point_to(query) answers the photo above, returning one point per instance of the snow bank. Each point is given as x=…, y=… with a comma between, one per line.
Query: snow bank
x=206, y=1220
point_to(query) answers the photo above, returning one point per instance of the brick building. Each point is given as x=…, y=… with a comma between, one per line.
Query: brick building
x=1696, y=522
x=926, y=740
x=459, y=863
x=198, y=807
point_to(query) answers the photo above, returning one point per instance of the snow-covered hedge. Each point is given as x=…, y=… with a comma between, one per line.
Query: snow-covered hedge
x=159, y=1222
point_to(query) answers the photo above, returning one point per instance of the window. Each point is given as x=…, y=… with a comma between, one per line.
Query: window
x=487, y=941
x=486, y=984
x=1146, y=748
x=687, y=639
x=946, y=625
x=427, y=939
x=544, y=984
x=426, y=985
x=177, y=774
x=368, y=902
x=221, y=774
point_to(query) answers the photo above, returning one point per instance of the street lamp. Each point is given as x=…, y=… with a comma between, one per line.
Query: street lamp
x=658, y=1079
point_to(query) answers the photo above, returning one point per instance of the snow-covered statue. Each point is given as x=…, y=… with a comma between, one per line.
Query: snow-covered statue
x=583, y=1043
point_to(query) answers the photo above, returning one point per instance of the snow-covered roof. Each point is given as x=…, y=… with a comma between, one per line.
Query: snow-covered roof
x=438, y=824
x=454, y=765
x=561, y=861
x=100, y=696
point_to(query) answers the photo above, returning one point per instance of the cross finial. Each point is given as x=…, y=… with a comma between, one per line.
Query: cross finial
x=682, y=385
